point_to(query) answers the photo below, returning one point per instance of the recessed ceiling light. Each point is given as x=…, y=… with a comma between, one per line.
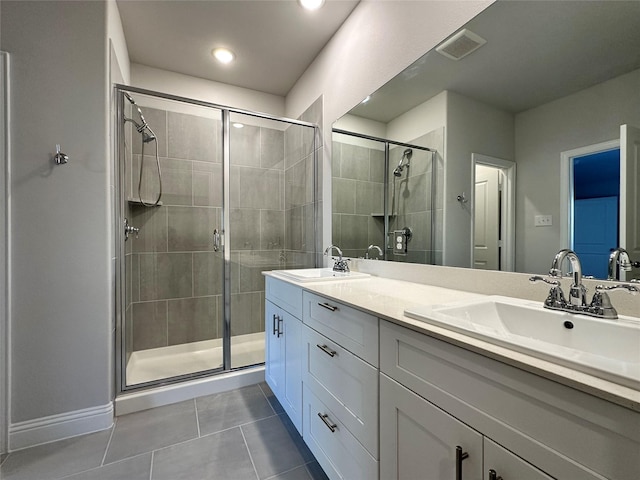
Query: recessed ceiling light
x=366, y=99
x=311, y=4
x=223, y=55
x=238, y=125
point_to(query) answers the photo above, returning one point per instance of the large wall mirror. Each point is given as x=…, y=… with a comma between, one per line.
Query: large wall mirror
x=517, y=136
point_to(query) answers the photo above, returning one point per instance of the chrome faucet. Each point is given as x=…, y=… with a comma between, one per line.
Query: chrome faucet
x=371, y=247
x=340, y=264
x=600, y=305
x=618, y=260
x=577, y=292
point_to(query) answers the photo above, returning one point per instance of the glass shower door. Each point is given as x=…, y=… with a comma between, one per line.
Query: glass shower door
x=271, y=219
x=173, y=268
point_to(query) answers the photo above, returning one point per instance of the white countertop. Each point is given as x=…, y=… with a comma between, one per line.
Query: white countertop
x=388, y=299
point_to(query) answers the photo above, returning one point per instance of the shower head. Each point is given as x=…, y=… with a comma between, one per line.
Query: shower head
x=131, y=100
x=406, y=154
x=143, y=127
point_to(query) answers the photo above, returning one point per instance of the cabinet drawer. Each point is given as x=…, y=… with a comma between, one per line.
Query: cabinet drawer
x=345, y=383
x=338, y=452
x=285, y=295
x=564, y=432
x=350, y=328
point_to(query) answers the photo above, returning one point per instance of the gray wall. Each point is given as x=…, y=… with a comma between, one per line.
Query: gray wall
x=588, y=117
x=472, y=127
x=60, y=273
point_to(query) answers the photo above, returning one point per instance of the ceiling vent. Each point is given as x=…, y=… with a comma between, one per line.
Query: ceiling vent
x=460, y=45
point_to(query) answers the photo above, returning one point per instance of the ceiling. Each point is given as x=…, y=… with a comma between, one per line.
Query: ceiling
x=536, y=52
x=274, y=41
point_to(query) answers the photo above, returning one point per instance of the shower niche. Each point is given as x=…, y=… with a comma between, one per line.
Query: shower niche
x=211, y=196
x=384, y=195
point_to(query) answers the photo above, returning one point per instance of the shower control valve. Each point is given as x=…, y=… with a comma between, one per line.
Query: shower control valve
x=130, y=229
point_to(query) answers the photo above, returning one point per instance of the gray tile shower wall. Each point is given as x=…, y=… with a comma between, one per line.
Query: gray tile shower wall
x=357, y=198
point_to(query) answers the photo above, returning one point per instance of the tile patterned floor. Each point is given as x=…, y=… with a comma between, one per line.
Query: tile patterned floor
x=243, y=434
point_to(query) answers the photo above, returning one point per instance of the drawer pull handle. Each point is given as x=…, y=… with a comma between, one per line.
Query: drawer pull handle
x=280, y=332
x=326, y=350
x=460, y=456
x=493, y=475
x=328, y=307
x=275, y=330
x=330, y=426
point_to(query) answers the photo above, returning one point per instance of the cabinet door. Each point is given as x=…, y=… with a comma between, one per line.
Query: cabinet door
x=508, y=466
x=274, y=361
x=418, y=440
x=291, y=340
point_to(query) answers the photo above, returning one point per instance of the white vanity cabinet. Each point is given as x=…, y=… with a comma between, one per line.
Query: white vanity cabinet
x=283, y=353
x=340, y=377
x=530, y=427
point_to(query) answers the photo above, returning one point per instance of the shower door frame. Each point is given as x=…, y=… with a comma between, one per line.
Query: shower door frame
x=119, y=230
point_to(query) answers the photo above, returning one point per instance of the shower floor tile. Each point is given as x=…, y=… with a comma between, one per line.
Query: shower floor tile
x=256, y=442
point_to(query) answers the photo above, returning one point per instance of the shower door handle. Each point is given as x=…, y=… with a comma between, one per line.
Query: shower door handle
x=216, y=240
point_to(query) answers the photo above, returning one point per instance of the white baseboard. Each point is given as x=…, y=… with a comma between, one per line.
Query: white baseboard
x=57, y=427
x=165, y=395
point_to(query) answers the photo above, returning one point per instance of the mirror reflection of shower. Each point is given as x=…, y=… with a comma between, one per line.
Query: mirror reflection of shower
x=146, y=136
x=381, y=187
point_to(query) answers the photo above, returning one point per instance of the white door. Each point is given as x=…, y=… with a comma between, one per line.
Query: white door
x=486, y=218
x=291, y=353
x=630, y=194
x=274, y=361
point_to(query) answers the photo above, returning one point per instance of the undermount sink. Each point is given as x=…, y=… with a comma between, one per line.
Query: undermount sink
x=319, y=275
x=608, y=349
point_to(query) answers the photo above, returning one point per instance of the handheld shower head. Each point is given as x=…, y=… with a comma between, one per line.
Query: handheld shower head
x=406, y=154
x=143, y=127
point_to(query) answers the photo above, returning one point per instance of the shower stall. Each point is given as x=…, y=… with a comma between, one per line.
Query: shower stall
x=208, y=197
x=384, y=196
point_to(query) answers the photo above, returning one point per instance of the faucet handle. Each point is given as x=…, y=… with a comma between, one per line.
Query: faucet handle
x=538, y=278
x=632, y=289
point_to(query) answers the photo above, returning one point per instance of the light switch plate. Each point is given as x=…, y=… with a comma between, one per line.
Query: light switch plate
x=543, y=220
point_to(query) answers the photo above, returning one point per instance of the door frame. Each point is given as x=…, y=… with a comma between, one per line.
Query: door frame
x=566, y=185
x=5, y=264
x=508, y=220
